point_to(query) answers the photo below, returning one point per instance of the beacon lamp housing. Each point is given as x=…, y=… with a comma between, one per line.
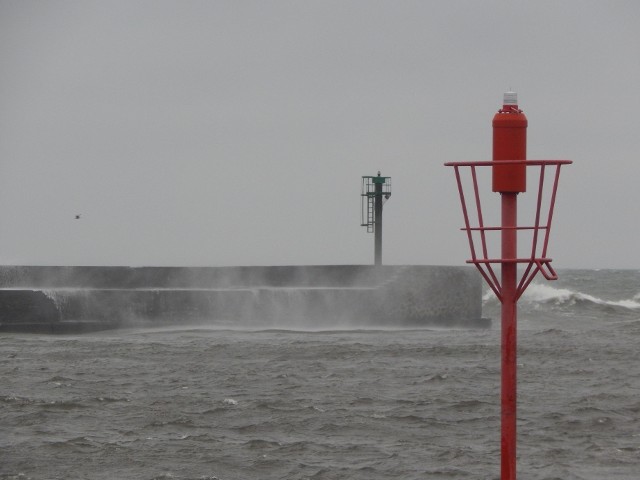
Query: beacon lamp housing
x=509, y=144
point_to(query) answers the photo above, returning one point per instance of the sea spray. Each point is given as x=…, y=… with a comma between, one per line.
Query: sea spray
x=59, y=297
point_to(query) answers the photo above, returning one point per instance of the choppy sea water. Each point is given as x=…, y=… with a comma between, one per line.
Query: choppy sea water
x=205, y=403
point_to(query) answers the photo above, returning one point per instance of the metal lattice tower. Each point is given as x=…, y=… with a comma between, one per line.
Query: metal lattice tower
x=375, y=191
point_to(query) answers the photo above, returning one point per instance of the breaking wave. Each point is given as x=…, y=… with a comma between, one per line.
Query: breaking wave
x=541, y=296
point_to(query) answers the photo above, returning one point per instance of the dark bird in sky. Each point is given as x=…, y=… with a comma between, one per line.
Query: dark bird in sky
x=78, y=216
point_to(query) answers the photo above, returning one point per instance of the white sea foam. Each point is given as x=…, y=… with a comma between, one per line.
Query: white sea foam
x=542, y=293
x=488, y=296
x=538, y=293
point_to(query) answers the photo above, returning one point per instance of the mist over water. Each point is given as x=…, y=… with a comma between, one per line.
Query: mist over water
x=72, y=299
x=194, y=402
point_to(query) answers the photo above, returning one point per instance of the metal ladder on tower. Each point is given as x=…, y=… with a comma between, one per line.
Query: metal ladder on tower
x=370, y=213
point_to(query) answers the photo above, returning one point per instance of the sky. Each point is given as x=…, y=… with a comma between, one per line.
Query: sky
x=215, y=133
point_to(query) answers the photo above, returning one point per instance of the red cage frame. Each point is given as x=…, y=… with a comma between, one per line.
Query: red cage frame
x=534, y=263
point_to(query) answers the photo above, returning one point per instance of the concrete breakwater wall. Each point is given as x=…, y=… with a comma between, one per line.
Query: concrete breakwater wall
x=73, y=299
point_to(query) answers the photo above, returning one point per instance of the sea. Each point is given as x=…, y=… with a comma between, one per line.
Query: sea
x=201, y=402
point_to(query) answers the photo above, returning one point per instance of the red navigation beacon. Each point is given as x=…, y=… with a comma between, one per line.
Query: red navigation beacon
x=509, y=143
x=509, y=179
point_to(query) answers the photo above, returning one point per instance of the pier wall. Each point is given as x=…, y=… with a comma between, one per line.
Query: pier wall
x=75, y=299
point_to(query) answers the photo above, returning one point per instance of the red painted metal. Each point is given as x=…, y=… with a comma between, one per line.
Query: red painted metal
x=509, y=167
x=537, y=261
x=509, y=334
x=509, y=143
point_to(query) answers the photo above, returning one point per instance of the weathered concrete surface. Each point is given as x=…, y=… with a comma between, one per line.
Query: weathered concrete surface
x=68, y=299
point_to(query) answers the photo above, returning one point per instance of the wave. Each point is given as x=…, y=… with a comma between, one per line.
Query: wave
x=538, y=294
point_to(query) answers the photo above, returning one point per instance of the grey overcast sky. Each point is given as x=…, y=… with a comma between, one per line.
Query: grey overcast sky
x=236, y=132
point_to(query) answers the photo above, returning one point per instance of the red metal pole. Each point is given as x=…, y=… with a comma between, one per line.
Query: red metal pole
x=509, y=335
x=509, y=143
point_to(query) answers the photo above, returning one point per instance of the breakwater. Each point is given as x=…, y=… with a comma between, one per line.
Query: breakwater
x=74, y=299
